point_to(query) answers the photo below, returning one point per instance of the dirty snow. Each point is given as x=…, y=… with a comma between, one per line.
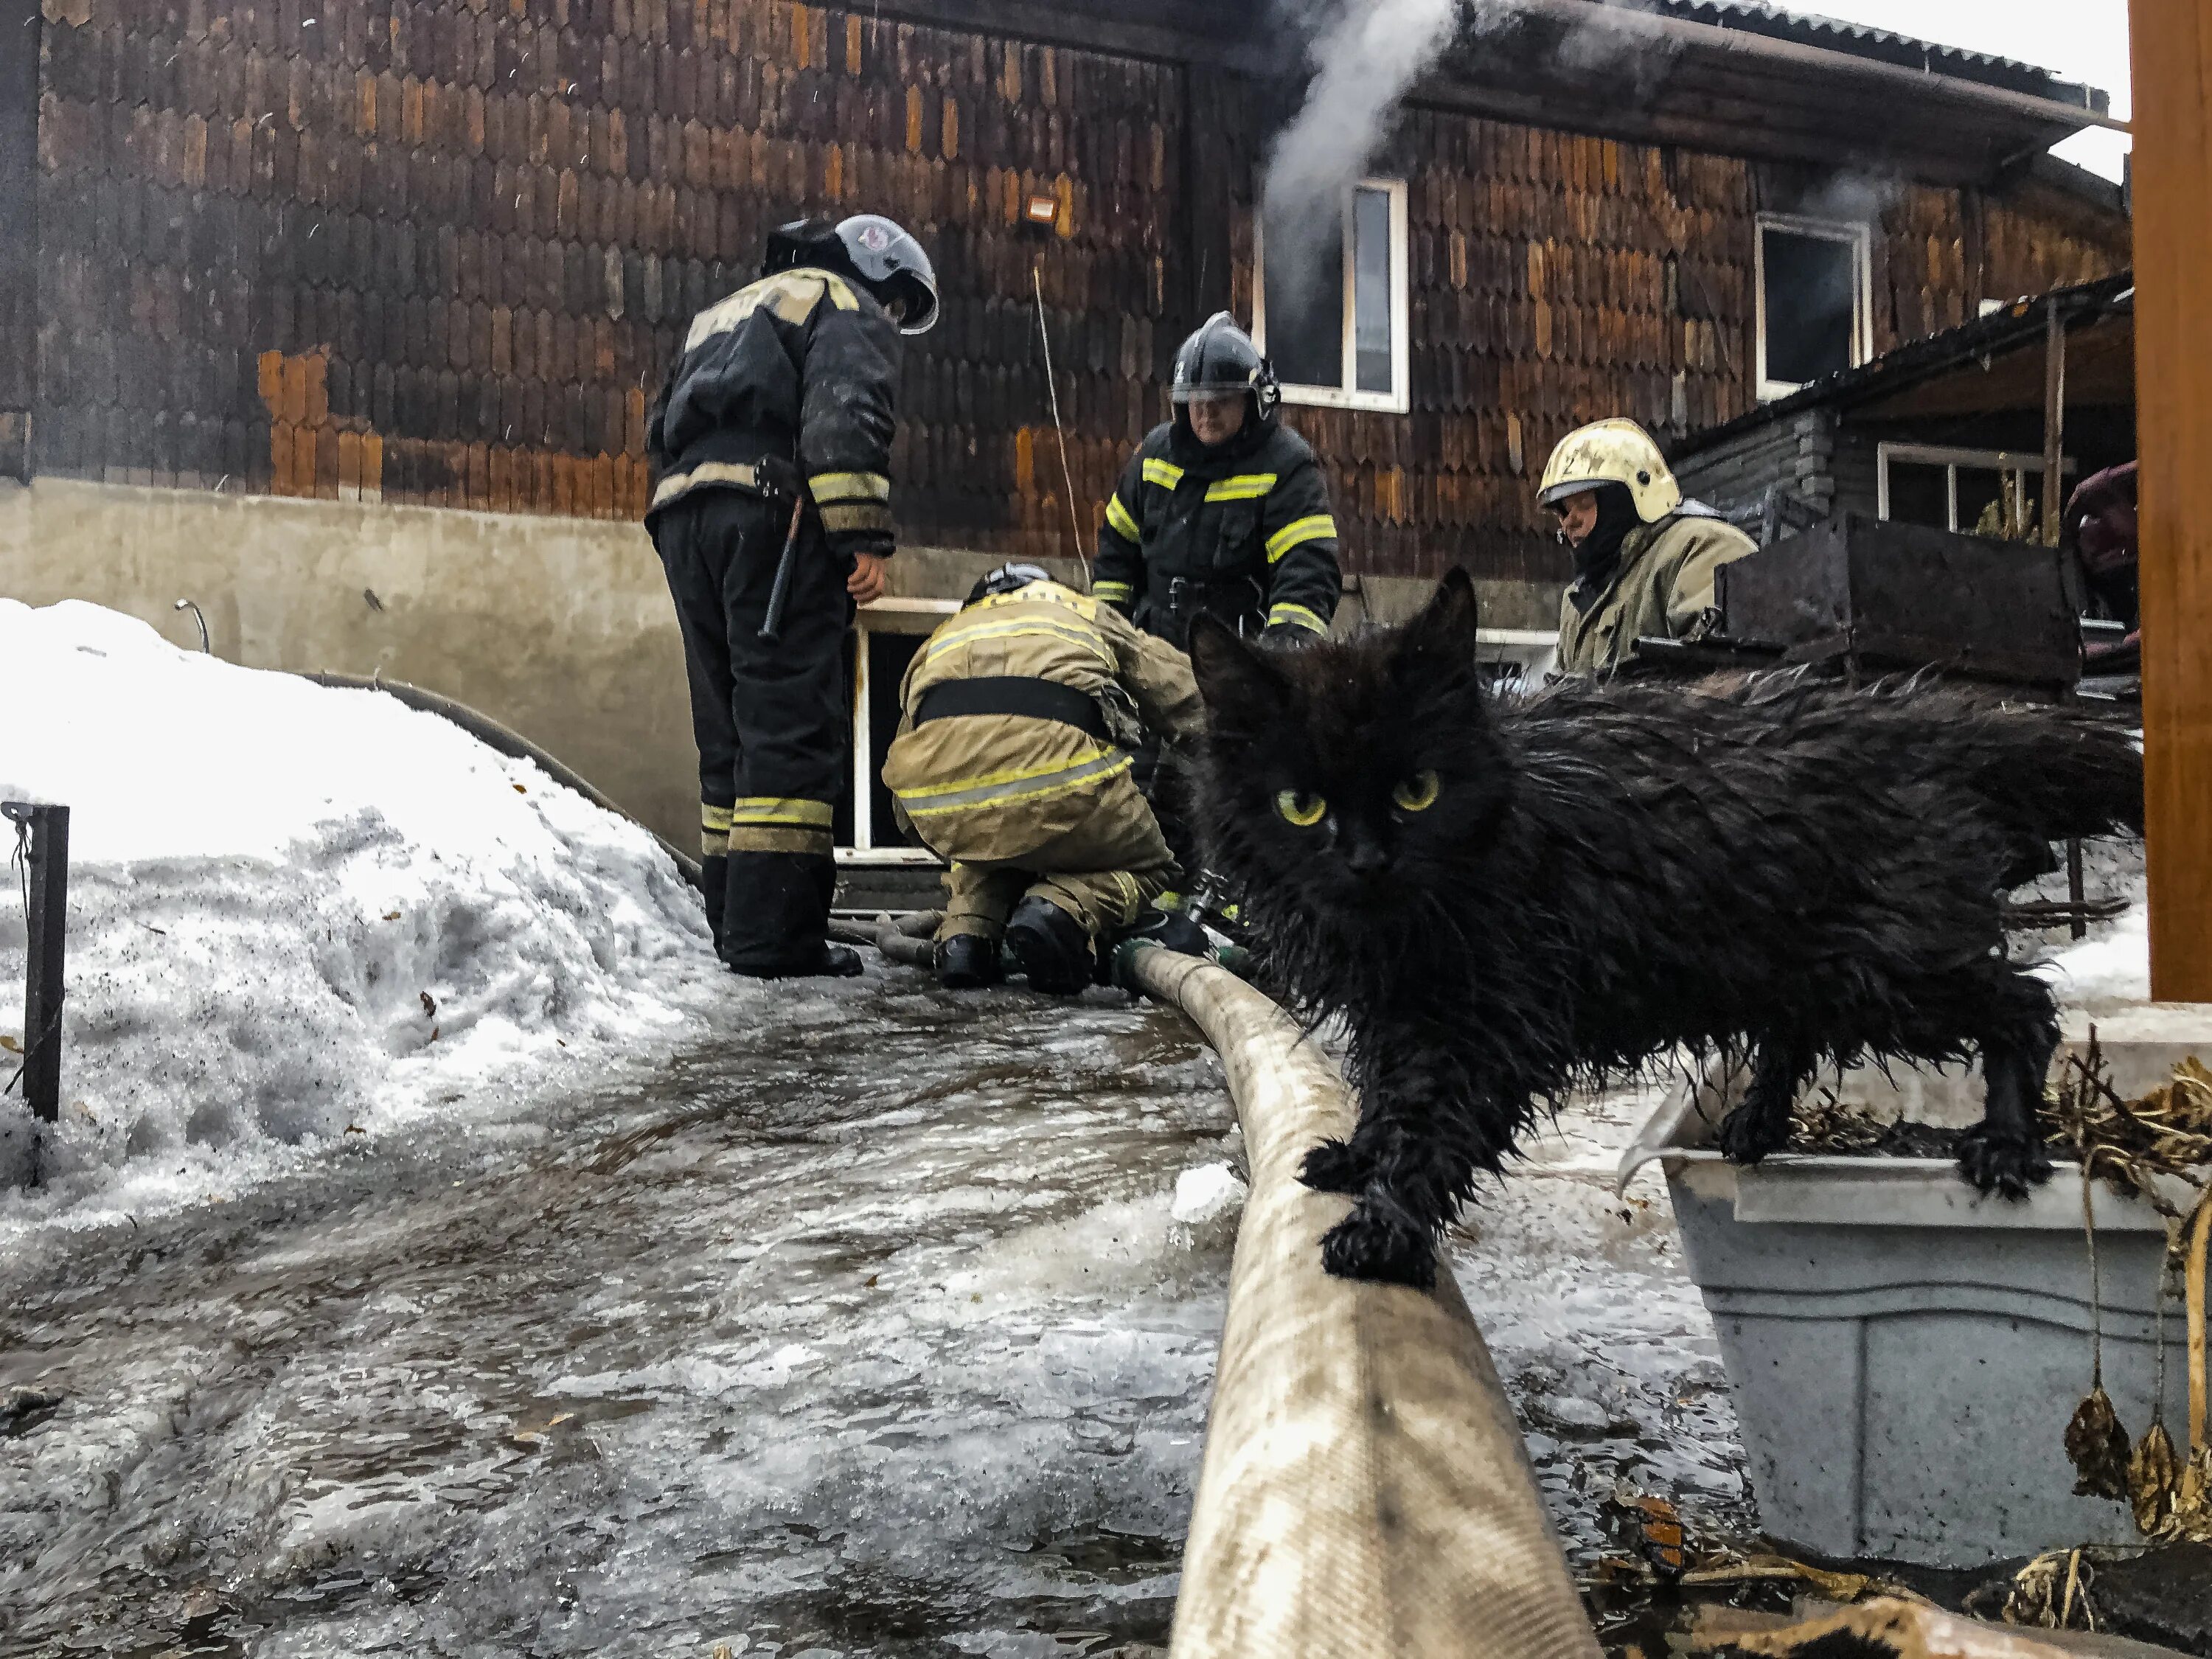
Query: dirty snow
x=298, y=915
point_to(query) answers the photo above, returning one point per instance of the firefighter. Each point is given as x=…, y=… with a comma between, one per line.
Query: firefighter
x=1222, y=509
x=1013, y=761
x=1645, y=557
x=774, y=429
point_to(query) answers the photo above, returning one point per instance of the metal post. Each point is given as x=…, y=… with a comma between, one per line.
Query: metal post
x=45, y=831
x=2171, y=43
x=2054, y=423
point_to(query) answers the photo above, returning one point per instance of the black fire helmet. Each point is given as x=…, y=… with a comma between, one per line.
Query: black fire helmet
x=1221, y=361
x=876, y=251
x=1006, y=579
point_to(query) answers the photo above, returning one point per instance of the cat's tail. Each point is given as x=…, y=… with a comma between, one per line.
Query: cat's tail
x=2058, y=773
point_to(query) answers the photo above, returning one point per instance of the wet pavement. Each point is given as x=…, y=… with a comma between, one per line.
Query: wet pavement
x=864, y=1327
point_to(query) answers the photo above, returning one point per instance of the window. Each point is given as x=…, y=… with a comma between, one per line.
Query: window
x=1331, y=307
x=1980, y=492
x=1813, y=319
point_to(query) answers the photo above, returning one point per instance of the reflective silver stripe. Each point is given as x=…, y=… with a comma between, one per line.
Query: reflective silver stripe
x=706, y=472
x=1003, y=789
x=1002, y=627
x=843, y=517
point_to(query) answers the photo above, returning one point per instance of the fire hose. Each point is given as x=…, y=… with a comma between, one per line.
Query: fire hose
x=1364, y=1489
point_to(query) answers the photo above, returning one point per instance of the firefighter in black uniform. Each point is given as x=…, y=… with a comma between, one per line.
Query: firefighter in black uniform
x=1222, y=509
x=774, y=430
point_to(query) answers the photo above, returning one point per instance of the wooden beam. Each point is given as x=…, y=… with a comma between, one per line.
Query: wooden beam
x=2172, y=52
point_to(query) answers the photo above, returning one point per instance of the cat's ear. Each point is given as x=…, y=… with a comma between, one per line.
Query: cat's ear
x=1240, y=688
x=1441, y=637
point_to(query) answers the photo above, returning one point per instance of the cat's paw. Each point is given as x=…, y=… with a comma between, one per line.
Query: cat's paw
x=1748, y=1135
x=1992, y=1161
x=1365, y=1246
x=1333, y=1167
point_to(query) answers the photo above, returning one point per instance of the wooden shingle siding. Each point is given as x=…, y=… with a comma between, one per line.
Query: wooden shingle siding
x=441, y=251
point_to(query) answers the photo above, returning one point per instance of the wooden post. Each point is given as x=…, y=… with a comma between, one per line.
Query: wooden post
x=2173, y=53
x=2054, y=421
x=45, y=833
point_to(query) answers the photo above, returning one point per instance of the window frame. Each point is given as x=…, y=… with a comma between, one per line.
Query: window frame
x=2021, y=463
x=1399, y=400
x=1860, y=238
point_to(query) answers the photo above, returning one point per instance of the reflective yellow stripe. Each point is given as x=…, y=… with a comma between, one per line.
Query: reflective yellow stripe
x=714, y=817
x=1245, y=487
x=1119, y=521
x=706, y=472
x=844, y=517
x=850, y=487
x=1166, y=474
x=767, y=808
x=1003, y=788
x=1297, y=614
x=1006, y=628
x=1113, y=593
x=1319, y=528
x=1040, y=594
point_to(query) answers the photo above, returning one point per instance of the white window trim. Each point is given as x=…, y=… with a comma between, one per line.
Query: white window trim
x=1982, y=460
x=881, y=616
x=1399, y=400
x=1860, y=239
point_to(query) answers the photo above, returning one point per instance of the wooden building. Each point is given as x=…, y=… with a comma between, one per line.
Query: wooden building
x=437, y=253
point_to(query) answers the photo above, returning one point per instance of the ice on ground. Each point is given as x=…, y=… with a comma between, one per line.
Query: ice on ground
x=2113, y=963
x=302, y=917
x=1206, y=1194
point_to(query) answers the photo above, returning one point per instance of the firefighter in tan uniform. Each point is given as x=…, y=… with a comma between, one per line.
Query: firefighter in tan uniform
x=1013, y=761
x=1645, y=558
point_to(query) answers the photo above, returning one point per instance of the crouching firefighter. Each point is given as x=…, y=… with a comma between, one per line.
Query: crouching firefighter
x=1012, y=761
x=770, y=448
x=1645, y=557
x=1222, y=510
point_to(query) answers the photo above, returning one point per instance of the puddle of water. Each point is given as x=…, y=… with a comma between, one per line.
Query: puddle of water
x=869, y=1331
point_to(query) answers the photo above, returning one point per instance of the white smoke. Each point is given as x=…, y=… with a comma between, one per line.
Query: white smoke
x=1366, y=54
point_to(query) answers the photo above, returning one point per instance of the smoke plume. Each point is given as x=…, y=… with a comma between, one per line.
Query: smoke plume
x=1365, y=55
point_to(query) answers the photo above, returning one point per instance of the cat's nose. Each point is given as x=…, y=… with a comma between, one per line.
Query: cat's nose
x=1367, y=858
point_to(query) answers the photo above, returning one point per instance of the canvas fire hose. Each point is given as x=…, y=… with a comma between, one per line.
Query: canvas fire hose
x=1364, y=1489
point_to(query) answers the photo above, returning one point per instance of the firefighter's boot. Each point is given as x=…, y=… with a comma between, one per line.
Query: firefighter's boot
x=1054, y=948
x=967, y=962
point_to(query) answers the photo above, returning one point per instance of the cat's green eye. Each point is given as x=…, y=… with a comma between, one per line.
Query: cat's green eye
x=1299, y=808
x=1417, y=793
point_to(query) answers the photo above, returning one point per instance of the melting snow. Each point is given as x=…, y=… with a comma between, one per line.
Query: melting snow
x=299, y=916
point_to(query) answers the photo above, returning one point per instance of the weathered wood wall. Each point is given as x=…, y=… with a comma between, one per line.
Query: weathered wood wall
x=441, y=250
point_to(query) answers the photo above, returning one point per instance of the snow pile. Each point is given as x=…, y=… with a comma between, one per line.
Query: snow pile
x=299, y=917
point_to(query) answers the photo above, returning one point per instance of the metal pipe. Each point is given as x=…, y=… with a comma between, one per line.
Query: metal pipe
x=1365, y=1489
x=42, y=844
x=188, y=605
x=2054, y=422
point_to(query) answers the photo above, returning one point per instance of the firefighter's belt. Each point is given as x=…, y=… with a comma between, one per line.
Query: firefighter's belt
x=1014, y=693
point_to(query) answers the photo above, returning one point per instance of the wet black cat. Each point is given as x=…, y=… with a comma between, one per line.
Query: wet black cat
x=1506, y=901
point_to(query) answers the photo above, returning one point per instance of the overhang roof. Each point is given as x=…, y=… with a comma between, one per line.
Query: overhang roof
x=1992, y=365
x=1733, y=78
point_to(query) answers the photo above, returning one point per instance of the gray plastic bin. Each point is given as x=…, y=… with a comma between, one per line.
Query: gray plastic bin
x=1904, y=1354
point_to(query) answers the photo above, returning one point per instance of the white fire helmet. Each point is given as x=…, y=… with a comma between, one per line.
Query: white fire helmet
x=1611, y=451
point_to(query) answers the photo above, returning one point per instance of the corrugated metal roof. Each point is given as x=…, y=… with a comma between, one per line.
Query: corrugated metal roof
x=2017, y=322
x=1811, y=29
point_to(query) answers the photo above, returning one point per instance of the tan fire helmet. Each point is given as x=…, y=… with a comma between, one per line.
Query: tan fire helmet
x=1611, y=451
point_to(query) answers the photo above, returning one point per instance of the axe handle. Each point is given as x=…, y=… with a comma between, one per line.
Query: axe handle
x=779, y=594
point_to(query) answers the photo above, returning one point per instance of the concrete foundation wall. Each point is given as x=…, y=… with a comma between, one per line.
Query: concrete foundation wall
x=560, y=627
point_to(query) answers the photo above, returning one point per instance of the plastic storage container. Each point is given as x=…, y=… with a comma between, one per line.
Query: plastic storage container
x=1904, y=1353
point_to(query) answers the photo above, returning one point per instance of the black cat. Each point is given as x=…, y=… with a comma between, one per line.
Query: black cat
x=1507, y=901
